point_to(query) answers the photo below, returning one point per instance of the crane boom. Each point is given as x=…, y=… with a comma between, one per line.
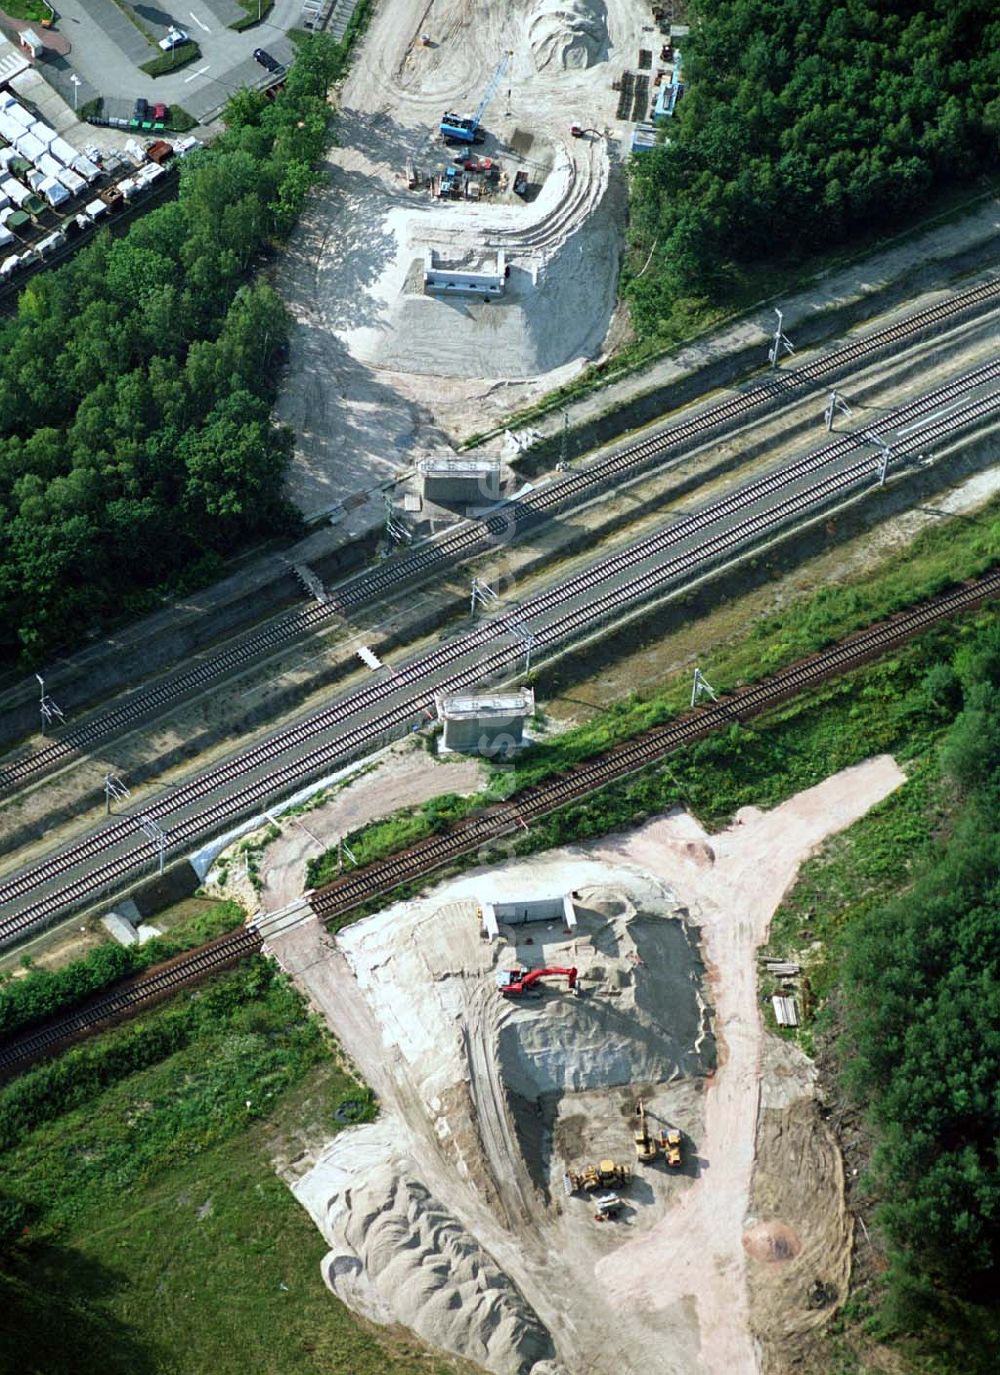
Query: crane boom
x=464, y=129
x=491, y=89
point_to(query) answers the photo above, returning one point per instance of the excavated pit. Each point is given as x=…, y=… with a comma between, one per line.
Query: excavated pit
x=640, y=1017
x=514, y=1092
x=449, y=1215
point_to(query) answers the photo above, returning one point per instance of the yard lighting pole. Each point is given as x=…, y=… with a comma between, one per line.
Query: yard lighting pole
x=482, y=595
x=115, y=789
x=563, y=463
x=529, y=644
x=836, y=405
x=885, y=454
x=155, y=832
x=76, y=90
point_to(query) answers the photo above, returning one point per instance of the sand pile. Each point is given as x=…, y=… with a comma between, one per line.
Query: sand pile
x=568, y=34
x=640, y=1014
x=399, y=1256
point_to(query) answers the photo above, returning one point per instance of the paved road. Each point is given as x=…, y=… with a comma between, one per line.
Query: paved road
x=107, y=50
x=395, y=702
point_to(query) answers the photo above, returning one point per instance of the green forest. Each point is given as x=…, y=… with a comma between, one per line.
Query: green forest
x=922, y=989
x=137, y=445
x=805, y=123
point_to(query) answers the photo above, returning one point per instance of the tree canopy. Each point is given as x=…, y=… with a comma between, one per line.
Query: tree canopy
x=922, y=990
x=805, y=122
x=136, y=382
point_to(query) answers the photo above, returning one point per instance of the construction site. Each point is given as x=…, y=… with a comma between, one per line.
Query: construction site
x=465, y=252
x=576, y=1130
x=584, y=1129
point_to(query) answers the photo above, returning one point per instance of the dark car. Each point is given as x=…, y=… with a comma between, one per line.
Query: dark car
x=266, y=60
x=142, y=108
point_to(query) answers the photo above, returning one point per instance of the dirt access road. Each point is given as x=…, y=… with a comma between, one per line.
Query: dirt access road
x=448, y=1215
x=734, y=882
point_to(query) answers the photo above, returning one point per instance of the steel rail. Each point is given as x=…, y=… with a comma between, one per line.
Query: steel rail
x=608, y=567
x=404, y=713
x=471, y=539
x=131, y=995
x=421, y=860
x=382, y=876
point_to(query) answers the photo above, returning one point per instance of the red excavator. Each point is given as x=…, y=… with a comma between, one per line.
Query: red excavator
x=520, y=980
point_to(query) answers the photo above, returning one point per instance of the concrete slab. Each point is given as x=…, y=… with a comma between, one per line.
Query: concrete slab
x=224, y=12
x=116, y=27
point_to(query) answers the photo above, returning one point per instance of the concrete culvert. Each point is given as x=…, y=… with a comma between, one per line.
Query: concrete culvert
x=568, y=34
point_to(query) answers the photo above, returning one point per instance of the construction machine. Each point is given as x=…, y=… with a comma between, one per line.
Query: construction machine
x=606, y=1174
x=670, y=1145
x=465, y=128
x=645, y=1146
x=513, y=981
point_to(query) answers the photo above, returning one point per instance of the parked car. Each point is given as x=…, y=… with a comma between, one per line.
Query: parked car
x=173, y=39
x=266, y=60
x=141, y=108
x=160, y=110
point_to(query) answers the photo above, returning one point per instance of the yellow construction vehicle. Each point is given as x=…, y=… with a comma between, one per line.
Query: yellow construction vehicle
x=606, y=1174
x=670, y=1145
x=645, y=1146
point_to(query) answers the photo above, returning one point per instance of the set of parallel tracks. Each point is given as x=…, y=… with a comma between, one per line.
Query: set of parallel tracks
x=475, y=538
x=382, y=877
x=421, y=676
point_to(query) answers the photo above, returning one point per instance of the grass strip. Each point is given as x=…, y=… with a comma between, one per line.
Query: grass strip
x=161, y=1240
x=255, y=14
x=34, y=11
x=172, y=61
x=749, y=289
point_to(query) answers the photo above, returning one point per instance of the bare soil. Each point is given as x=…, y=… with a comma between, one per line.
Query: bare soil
x=381, y=373
x=448, y=1214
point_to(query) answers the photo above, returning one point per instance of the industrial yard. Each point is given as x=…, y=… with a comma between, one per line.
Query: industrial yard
x=490, y=1101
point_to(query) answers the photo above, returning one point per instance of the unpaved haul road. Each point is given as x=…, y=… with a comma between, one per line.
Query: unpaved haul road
x=696, y=1251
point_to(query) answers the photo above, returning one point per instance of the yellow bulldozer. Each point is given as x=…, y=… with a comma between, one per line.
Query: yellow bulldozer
x=645, y=1145
x=670, y=1145
x=606, y=1174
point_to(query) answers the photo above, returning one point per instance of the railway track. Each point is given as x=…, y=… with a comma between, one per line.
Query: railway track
x=419, y=861
x=382, y=876
x=131, y=996
x=419, y=680
x=472, y=539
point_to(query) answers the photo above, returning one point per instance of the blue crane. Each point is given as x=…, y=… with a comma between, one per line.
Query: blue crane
x=464, y=130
